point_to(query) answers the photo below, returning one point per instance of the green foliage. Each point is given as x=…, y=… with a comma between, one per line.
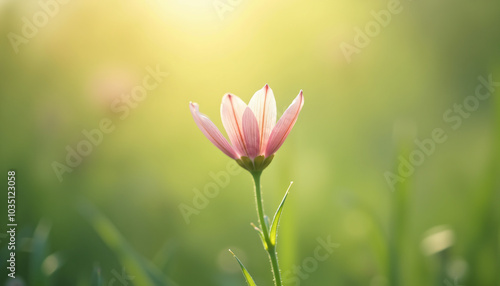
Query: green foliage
x=143, y=271
x=273, y=232
x=247, y=275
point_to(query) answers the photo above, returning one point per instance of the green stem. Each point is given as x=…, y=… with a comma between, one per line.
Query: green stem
x=271, y=248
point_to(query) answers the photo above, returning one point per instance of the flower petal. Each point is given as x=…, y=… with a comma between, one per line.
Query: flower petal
x=263, y=106
x=211, y=131
x=251, y=133
x=231, y=110
x=284, y=125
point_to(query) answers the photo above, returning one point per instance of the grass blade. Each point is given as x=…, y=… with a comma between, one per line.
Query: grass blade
x=247, y=275
x=142, y=270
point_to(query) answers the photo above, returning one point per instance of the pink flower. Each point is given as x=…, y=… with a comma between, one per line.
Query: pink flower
x=252, y=129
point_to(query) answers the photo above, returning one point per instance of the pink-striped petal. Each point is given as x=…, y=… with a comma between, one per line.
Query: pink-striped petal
x=251, y=133
x=284, y=125
x=211, y=131
x=232, y=110
x=263, y=106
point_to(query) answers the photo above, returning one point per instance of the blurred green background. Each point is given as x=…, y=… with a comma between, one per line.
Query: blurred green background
x=115, y=219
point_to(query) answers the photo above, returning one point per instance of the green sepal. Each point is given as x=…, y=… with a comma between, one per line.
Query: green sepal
x=241, y=163
x=258, y=164
x=247, y=275
x=258, y=161
x=267, y=162
x=247, y=162
x=273, y=232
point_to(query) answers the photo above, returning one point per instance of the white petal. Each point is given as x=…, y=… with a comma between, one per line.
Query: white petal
x=251, y=133
x=211, y=131
x=263, y=106
x=232, y=110
x=284, y=125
